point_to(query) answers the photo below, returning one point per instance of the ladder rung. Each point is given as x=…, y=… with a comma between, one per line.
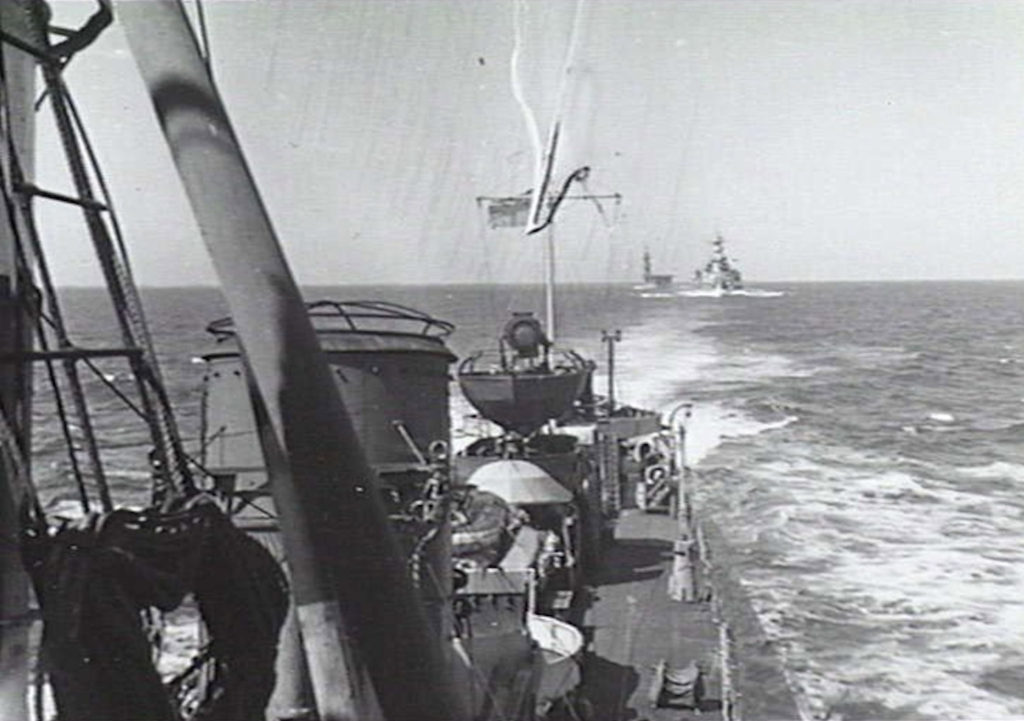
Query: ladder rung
x=24, y=46
x=65, y=353
x=29, y=189
x=63, y=32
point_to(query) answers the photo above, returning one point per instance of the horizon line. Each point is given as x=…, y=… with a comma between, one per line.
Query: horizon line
x=406, y=284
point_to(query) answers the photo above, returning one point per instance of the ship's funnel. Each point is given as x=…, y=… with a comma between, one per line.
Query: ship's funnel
x=389, y=362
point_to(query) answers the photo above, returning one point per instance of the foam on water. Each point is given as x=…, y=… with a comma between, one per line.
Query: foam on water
x=879, y=584
x=744, y=293
x=712, y=423
x=668, y=361
x=889, y=584
x=996, y=470
x=859, y=446
x=649, y=292
x=655, y=359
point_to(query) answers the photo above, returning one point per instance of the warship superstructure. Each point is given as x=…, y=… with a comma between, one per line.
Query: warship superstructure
x=720, y=274
x=342, y=561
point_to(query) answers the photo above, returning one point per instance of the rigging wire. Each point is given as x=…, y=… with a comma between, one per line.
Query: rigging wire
x=114, y=260
x=482, y=226
x=530, y=118
x=54, y=320
x=22, y=209
x=101, y=182
x=544, y=174
x=204, y=36
x=142, y=328
x=69, y=440
x=610, y=223
x=126, y=300
x=41, y=321
x=126, y=400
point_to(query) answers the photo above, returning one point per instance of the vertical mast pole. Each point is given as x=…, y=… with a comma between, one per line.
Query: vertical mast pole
x=350, y=586
x=17, y=128
x=539, y=201
x=549, y=283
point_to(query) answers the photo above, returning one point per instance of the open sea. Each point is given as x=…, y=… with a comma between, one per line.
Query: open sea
x=860, y=444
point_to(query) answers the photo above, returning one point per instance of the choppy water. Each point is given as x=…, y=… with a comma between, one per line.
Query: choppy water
x=862, y=445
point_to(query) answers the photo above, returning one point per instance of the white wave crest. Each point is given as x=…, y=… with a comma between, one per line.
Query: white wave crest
x=648, y=292
x=711, y=423
x=749, y=293
x=997, y=470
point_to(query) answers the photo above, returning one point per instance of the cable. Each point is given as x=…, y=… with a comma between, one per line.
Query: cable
x=205, y=37
x=125, y=298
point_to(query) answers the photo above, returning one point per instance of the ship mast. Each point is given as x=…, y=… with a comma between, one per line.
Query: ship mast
x=540, y=199
x=549, y=283
x=354, y=598
x=16, y=147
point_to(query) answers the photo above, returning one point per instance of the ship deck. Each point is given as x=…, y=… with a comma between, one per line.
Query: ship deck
x=633, y=626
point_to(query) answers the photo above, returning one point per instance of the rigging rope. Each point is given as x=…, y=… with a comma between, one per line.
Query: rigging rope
x=10, y=179
x=94, y=577
x=127, y=304
x=545, y=171
x=69, y=441
x=147, y=375
x=108, y=199
x=56, y=321
x=488, y=274
x=172, y=457
x=205, y=37
x=529, y=117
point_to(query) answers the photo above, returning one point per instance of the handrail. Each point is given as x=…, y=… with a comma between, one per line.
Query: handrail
x=357, y=315
x=494, y=361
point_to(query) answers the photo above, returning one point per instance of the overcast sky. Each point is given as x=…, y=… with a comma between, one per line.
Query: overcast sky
x=824, y=139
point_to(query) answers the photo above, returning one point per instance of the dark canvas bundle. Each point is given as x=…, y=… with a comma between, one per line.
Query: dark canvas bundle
x=96, y=577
